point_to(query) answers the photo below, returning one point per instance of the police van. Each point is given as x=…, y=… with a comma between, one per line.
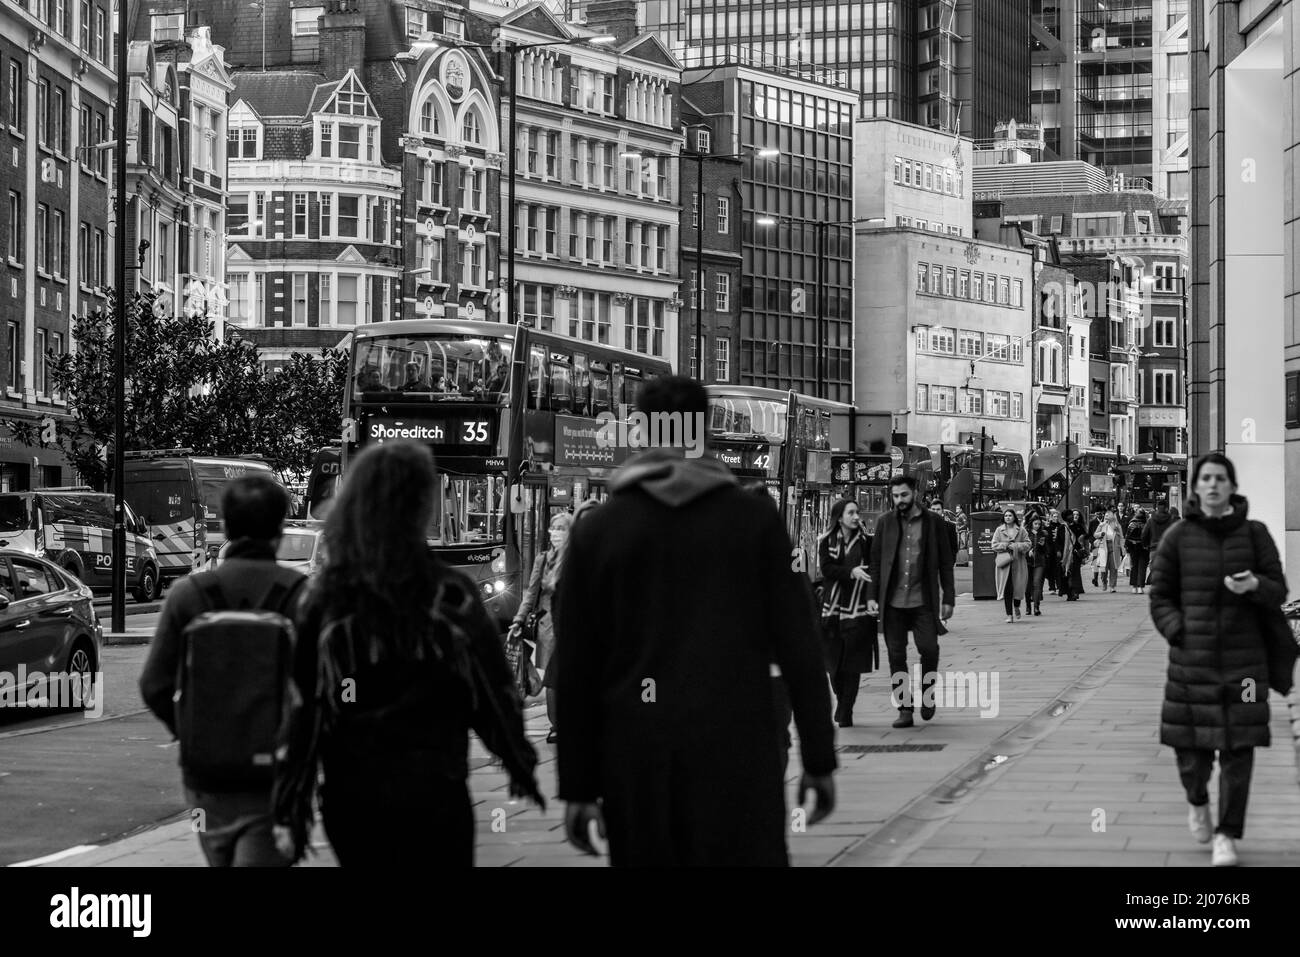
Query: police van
x=73, y=527
x=178, y=494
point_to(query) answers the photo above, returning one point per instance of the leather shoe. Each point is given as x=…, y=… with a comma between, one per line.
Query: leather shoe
x=904, y=720
x=927, y=712
x=845, y=722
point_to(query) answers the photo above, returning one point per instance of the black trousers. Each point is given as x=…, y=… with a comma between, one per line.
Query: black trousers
x=362, y=833
x=784, y=715
x=924, y=627
x=1235, y=767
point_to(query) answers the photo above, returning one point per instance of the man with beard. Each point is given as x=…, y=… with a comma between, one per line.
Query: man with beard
x=911, y=589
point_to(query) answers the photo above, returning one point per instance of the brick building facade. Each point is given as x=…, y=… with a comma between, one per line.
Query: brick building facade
x=56, y=90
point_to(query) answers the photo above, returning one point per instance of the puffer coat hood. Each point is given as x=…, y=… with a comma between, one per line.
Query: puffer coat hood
x=1216, y=693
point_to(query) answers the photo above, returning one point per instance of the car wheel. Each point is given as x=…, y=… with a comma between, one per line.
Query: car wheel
x=147, y=589
x=81, y=667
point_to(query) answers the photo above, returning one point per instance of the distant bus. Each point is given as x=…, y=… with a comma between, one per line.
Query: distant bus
x=323, y=482
x=1002, y=472
x=1089, y=484
x=179, y=497
x=786, y=440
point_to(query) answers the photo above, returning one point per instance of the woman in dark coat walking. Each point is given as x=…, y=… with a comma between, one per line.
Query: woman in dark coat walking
x=397, y=661
x=1213, y=573
x=1042, y=556
x=1078, y=546
x=849, y=633
x=1137, y=552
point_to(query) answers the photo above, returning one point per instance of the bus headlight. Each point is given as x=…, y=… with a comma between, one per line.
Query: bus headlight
x=491, y=588
x=500, y=586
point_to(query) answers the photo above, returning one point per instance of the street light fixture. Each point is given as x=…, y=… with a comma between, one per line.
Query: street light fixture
x=821, y=226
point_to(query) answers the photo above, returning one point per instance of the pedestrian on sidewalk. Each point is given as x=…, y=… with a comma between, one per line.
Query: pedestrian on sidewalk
x=1213, y=576
x=677, y=595
x=1057, y=531
x=911, y=590
x=951, y=527
x=1011, y=547
x=1137, y=552
x=1042, y=555
x=963, y=529
x=1154, y=530
x=848, y=632
x=214, y=676
x=1078, y=546
x=397, y=660
x=537, y=598
x=1109, y=537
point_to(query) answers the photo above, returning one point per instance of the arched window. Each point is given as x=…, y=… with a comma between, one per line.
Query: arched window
x=430, y=121
x=472, y=132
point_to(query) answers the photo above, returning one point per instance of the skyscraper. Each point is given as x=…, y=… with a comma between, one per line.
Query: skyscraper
x=949, y=64
x=1109, y=85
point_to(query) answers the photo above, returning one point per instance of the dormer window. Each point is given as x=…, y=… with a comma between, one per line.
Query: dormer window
x=419, y=22
x=166, y=27
x=243, y=139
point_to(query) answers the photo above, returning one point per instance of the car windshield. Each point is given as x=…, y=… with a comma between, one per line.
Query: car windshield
x=444, y=366
x=296, y=546
x=14, y=514
x=212, y=479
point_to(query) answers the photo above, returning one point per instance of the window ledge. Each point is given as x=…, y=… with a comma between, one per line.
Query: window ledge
x=14, y=264
x=15, y=131
x=13, y=394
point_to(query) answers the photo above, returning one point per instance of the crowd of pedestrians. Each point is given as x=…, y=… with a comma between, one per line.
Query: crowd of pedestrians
x=678, y=642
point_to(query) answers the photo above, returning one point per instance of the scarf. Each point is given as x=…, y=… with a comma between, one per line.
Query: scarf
x=845, y=599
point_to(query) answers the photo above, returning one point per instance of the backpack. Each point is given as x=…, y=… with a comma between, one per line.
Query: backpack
x=235, y=688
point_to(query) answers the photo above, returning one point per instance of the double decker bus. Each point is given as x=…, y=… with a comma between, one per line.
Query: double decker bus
x=1002, y=470
x=784, y=439
x=323, y=482
x=510, y=413
x=1088, y=483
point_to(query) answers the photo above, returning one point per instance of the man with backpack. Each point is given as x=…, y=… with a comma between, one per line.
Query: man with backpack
x=219, y=676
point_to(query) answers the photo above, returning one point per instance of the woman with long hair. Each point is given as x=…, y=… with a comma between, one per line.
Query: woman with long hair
x=397, y=660
x=537, y=597
x=850, y=638
x=1110, y=550
x=1041, y=557
x=1078, y=545
x=1137, y=552
x=1012, y=575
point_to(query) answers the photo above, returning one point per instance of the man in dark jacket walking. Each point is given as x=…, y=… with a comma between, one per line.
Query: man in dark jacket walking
x=911, y=588
x=677, y=595
x=1213, y=574
x=1155, y=528
x=235, y=826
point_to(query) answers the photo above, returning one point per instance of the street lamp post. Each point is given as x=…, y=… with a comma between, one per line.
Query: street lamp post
x=119, y=339
x=822, y=280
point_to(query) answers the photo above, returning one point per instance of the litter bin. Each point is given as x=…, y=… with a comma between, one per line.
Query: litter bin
x=983, y=558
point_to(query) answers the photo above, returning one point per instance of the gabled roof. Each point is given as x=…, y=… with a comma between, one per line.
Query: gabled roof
x=278, y=92
x=350, y=85
x=651, y=49
x=537, y=18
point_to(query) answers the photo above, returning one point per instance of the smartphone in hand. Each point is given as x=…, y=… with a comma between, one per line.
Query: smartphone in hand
x=1241, y=576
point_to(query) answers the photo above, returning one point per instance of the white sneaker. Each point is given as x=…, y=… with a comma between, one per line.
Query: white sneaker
x=1198, y=822
x=1010, y=620
x=1224, y=853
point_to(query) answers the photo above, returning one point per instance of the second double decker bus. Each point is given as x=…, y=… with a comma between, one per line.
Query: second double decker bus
x=786, y=440
x=510, y=413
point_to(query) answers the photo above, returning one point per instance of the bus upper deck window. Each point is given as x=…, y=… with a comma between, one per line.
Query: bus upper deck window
x=600, y=400
x=561, y=384
x=581, y=385
x=536, y=376
x=616, y=384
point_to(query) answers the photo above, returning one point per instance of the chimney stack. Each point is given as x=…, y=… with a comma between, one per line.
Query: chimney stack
x=614, y=17
x=342, y=39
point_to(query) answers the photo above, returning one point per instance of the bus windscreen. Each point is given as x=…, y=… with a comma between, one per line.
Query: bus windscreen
x=743, y=417
x=444, y=366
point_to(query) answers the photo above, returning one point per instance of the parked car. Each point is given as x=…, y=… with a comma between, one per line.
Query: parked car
x=48, y=627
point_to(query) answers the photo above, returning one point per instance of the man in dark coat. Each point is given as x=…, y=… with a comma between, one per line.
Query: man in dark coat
x=1213, y=573
x=911, y=588
x=1155, y=528
x=677, y=595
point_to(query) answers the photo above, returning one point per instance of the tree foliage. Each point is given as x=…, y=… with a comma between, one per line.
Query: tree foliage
x=187, y=389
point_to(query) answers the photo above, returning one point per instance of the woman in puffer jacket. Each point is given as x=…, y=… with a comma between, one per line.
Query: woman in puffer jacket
x=1213, y=573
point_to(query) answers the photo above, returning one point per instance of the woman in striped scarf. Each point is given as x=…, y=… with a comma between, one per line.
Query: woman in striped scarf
x=849, y=632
